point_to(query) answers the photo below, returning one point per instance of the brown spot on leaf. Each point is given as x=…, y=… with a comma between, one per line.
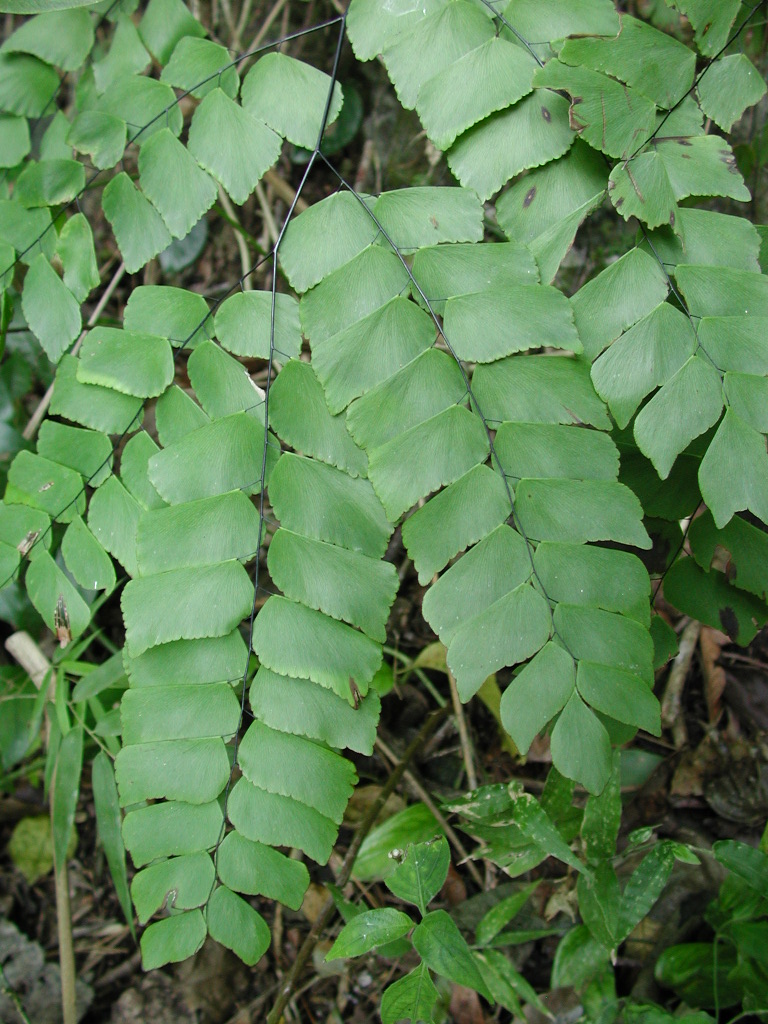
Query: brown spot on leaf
x=546, y=114
x=672, y=218
x=530, y=195
x=684, y=142
x=729, y=622
x=618, y=202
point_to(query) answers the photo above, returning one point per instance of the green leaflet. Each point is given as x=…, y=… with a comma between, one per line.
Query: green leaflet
x=134, y=465
x=45, y=485
x=63, y=38
x=49, y=182
x=134, y=364
x=100, y=135
x=26, y=84
x=537, y=694
x=164, y=23
x=169, y=174
x=172, y=313
x=180, y=712
x=745, y=545
x=194, y=771
x=188, y=661
x=172, y=939
x=75, y=247
x=235, y=924
x=145, y=104
x=50, y=308
x=182, y=882
x=138, y=227
x=14, y=138
x=243, y=325
x=580, y=510
x=126, y=56
x=199, y=65
x=86, y=559
x=255, y=869
x=113, y=518
x=223, y=386
x=88, y=452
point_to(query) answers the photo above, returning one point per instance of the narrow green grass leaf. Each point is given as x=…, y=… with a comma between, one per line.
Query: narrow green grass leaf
x=290, y=96
x=644, y=887
x=65, y=791
x=50, y=308
x=320, y=648
x=185, y=604
x=180, y=883
x=231, y=145
x=173, y=939
x=171, y=829
x=138, y=227
x=280, y=821
x=108, y=823
x=510, y=630
x=174, y=183
x=537, y=694
x=133, y=364
x=344, y=584
x=258, y=870
x=236, y=925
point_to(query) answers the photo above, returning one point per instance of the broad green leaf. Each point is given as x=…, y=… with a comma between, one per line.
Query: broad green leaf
x=746, y=395
x=644, y=887
x=199, y=532
x=86, y=559
x=579, y=959
x=511, y=630
x=196, y=66
x=36, y=6
x=490, y=77
x=745, y=545
x=27, y=231
x=341, y=509
x=189, y=661
x=127, y=56
x=174, y=183
x=609, y=117
x=50, y=308
x=180, y=883
x=138, y=227
x=89, y=452
x=231, y=145
x=320, y=648
x=506, y=985
x=367, y=352
x=651, y=61
x=427, y=456
x=538, y=450
x=599, y=577
x=444, y=271
x=21, y=526
x=222, y=456
x=259, y=870
x=550, y=19
x=176, y=415
x=421, y=874
x=581, y=749
x=602, y=818
x=243, y=325
x=78, y=256
x=368, y=930
x=489, y=571
x=619, y=694
x=617, y=298
x=487, y=325
x=710, y=598
x=734, y=472
x=222, y=385
x=170, y=829
x=537, y=389
x=580, y=511
x=299, y=414
x=415, y=217
x=65, y=791
x=100, y=135
x=444, y=950
x=646, y=356
x=361, y=286
x=508, y=907
x=302, y=707
x=14, y=139
x=537, y=825
x=49, y=182
x=280, y=821
x=134, y=464
x=412, y=997
x=537, y=694
x=711, y=20
x=236, y=925
x=606, y=638
x=599, y=901
x=716, y=239
x=291, y=96
x=372, y=27
x=151, y=713
x=744, y=861
x=94, y=406
x=325, y=237
x=113, y=518
x=54, y=489
x=702, y=166
x=661, y=433
x=723, y=292
x=194, y=771
x=184, y=604
x=27, y=85
x=461, y=515
x=701, y=973
x=344, y=584
x=424, y=387
x=164, y=23
x=280, y=762
x=533, y=132
x=173, y=313
x=108, y=822
x=172, y=939
x=433, y=43
x=133, y=364
x=641, y=188
x=414, y=824
x=146, y=105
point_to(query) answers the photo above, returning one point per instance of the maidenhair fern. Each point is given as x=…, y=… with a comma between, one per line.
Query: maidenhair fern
x=426, y=377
